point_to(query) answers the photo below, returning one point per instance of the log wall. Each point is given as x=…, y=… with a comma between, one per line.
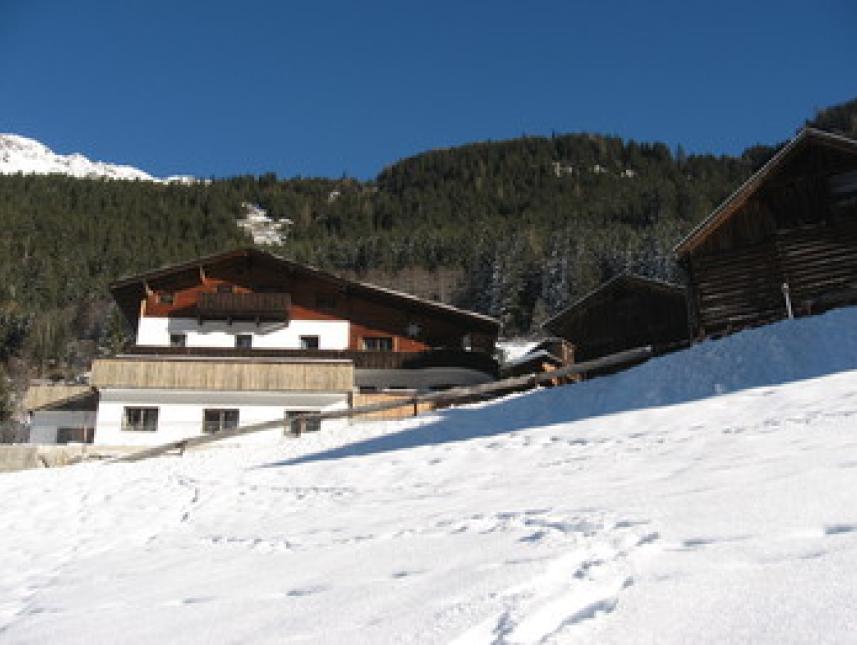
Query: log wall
x=793, y=230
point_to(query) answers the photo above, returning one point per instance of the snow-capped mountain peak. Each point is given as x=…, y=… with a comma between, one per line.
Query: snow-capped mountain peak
x=20, y=154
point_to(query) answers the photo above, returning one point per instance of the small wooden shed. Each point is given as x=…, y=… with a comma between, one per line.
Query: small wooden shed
x=547, y=355
x=784, y=243
x=625, y=312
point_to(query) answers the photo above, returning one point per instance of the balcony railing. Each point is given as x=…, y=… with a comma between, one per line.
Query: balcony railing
x=360, y=358
x=244, y=306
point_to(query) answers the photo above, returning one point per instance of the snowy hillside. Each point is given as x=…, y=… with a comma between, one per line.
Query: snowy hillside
x=28, y=156
x=703, y=497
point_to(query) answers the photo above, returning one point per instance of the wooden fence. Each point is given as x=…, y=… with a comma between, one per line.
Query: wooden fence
x=443, y=398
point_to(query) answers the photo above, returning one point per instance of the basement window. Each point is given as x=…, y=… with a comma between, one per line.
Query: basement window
x=166, y=298
x=243, y=341
x=75, y=435
x=378, y=343
x=215, y=420
x=178, y=340
x=224, y=288
x=140, y=420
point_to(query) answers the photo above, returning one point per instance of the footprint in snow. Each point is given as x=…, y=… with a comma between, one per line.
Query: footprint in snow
x=196, y=600
x=398, y=575
x=300, y=592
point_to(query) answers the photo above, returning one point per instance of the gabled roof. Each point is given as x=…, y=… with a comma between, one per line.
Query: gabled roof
x=737, y=199
x=621, y=279
x=138, y=281
x=86, y=401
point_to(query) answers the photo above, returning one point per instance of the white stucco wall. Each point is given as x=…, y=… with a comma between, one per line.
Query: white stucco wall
x=332, y=334
x=181, y=412
x=45, y=423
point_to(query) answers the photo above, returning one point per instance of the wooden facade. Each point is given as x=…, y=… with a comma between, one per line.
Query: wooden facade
x=362, y=359
x=626, y=312
x=252, y=284
x=44, y=394
x=309, y=375
x=786, y=239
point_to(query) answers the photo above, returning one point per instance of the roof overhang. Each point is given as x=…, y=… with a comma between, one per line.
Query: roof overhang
x=737, y=199
x=139, y=284
x=626, y=278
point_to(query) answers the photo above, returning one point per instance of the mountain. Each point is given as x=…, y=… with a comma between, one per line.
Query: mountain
x=29, y=157
x=515, y=229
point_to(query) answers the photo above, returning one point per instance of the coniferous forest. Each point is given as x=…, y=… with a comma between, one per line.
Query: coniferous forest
x=516, y=229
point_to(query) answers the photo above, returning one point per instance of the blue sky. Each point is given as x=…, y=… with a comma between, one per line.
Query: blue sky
x=326, y=88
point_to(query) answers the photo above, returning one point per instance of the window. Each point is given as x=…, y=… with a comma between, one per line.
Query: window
x=178, y=340
x=378, y=343
x=140, y=420
x=76, y=435
x=309, y=342
x=224, y=288
x=217, y=420
x=243, y=341
x=166, y=298
x=313, y=423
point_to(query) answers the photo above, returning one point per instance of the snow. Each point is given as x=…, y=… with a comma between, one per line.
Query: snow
x=513, y=349
x=704, y=497
x=27, y=156
x=263, y=229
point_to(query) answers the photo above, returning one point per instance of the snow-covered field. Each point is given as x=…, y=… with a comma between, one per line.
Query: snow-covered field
x=705, y=497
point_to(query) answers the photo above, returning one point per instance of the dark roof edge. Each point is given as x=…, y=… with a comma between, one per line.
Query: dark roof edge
x=245, y=251
x=60, y=403
x=625, y=275
x=750, y=183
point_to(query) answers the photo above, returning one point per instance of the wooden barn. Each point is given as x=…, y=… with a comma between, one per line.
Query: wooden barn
x=626, y=312
x=785, y=243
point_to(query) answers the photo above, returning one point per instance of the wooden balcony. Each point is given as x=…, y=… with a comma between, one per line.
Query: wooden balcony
x=244, y=306
x=361, y=359
x=224, y=374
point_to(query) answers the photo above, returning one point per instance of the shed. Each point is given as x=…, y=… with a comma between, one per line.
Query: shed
x=546, y=355
x=784, y=243
x=625, y=312
x=71, y=419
